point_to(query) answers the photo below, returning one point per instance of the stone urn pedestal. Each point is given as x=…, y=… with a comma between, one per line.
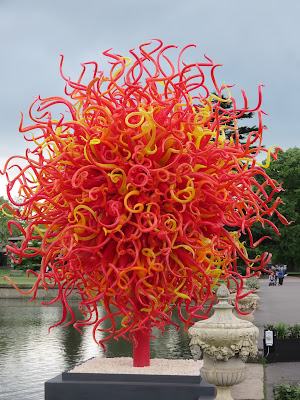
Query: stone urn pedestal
x=225, y=342
x=247, y=304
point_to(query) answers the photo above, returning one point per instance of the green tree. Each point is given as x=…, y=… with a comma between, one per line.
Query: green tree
x=284, y=247
x=33, y=262
x=243, y=130
x=4, y=218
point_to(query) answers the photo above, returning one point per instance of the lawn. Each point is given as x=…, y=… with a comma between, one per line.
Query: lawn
x=18, y=280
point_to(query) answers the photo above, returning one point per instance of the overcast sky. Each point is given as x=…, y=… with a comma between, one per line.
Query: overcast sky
x=257, y=42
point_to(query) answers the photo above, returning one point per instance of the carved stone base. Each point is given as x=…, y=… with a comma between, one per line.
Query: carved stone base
x=247, y=304
x=223, y=374
x=226, y=342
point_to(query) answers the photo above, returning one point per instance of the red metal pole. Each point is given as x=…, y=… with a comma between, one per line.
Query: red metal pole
x=141, y=348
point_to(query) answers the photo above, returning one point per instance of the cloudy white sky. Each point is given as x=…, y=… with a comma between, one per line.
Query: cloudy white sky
x=257, y=42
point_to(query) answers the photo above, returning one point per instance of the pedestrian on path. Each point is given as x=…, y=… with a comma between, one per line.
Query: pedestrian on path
x=272, y=277
x=281, y=276
x=276, y=276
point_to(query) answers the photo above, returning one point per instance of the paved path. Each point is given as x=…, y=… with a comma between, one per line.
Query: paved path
x=277, y=304
x=253, y=387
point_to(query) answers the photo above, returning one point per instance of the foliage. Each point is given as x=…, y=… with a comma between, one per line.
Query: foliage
x=4, y=272
x=285, y=246
x=242, y=269
x=4, y=231
x=30, y=262
x=294, y=331
x=284, y=391
x=253, y=283
x=280, y=330
x=269, y=327
x=284, y=331
x=242, y=130
x=33, y=262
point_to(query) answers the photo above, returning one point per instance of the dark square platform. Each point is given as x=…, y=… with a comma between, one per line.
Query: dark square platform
x=87, y=386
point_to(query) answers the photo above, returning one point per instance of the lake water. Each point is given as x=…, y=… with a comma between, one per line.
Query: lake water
x=29, y=356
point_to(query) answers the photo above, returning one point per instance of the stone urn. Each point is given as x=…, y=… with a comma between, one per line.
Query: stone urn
x=247, y=304
x=225, y=342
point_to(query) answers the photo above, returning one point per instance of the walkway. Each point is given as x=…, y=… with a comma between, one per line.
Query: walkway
x=277, y=304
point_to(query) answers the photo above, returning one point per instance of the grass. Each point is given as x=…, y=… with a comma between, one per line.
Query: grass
x=265, y=384
x=282, y=331
x=4, y=272
x=18, y=280
x=21, y=282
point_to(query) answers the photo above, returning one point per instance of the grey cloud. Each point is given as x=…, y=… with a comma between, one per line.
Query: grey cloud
x=256, y=41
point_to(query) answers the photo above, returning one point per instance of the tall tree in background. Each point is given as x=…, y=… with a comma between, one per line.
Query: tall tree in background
x=33, y=262
x=243, y=130
x=284, y=247
x=4, y=231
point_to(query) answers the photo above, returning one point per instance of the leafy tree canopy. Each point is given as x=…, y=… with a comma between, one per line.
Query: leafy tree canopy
x=32, y=262
x=284, y=247
x=6, y=216
x=243, y=130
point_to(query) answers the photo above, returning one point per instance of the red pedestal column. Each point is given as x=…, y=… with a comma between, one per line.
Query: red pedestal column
x=141, y=348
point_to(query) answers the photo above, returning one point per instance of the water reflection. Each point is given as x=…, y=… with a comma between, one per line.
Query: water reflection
x=29, y=355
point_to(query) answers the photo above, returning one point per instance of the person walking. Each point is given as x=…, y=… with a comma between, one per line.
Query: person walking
x=281, y=276
x=276, y=276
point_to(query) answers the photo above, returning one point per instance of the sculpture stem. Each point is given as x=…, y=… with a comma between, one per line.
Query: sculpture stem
x=223, y=393
x=141, y=347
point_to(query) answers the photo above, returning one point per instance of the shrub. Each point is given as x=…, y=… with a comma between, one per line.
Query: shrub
x=283, y=391
x=294, y=331
x=253, y=283
x=269, y=327
x=283, y=331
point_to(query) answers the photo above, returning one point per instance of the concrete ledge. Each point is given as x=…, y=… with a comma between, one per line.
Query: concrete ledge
x=81, y=386
x=253, y=387
x=9, y=292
